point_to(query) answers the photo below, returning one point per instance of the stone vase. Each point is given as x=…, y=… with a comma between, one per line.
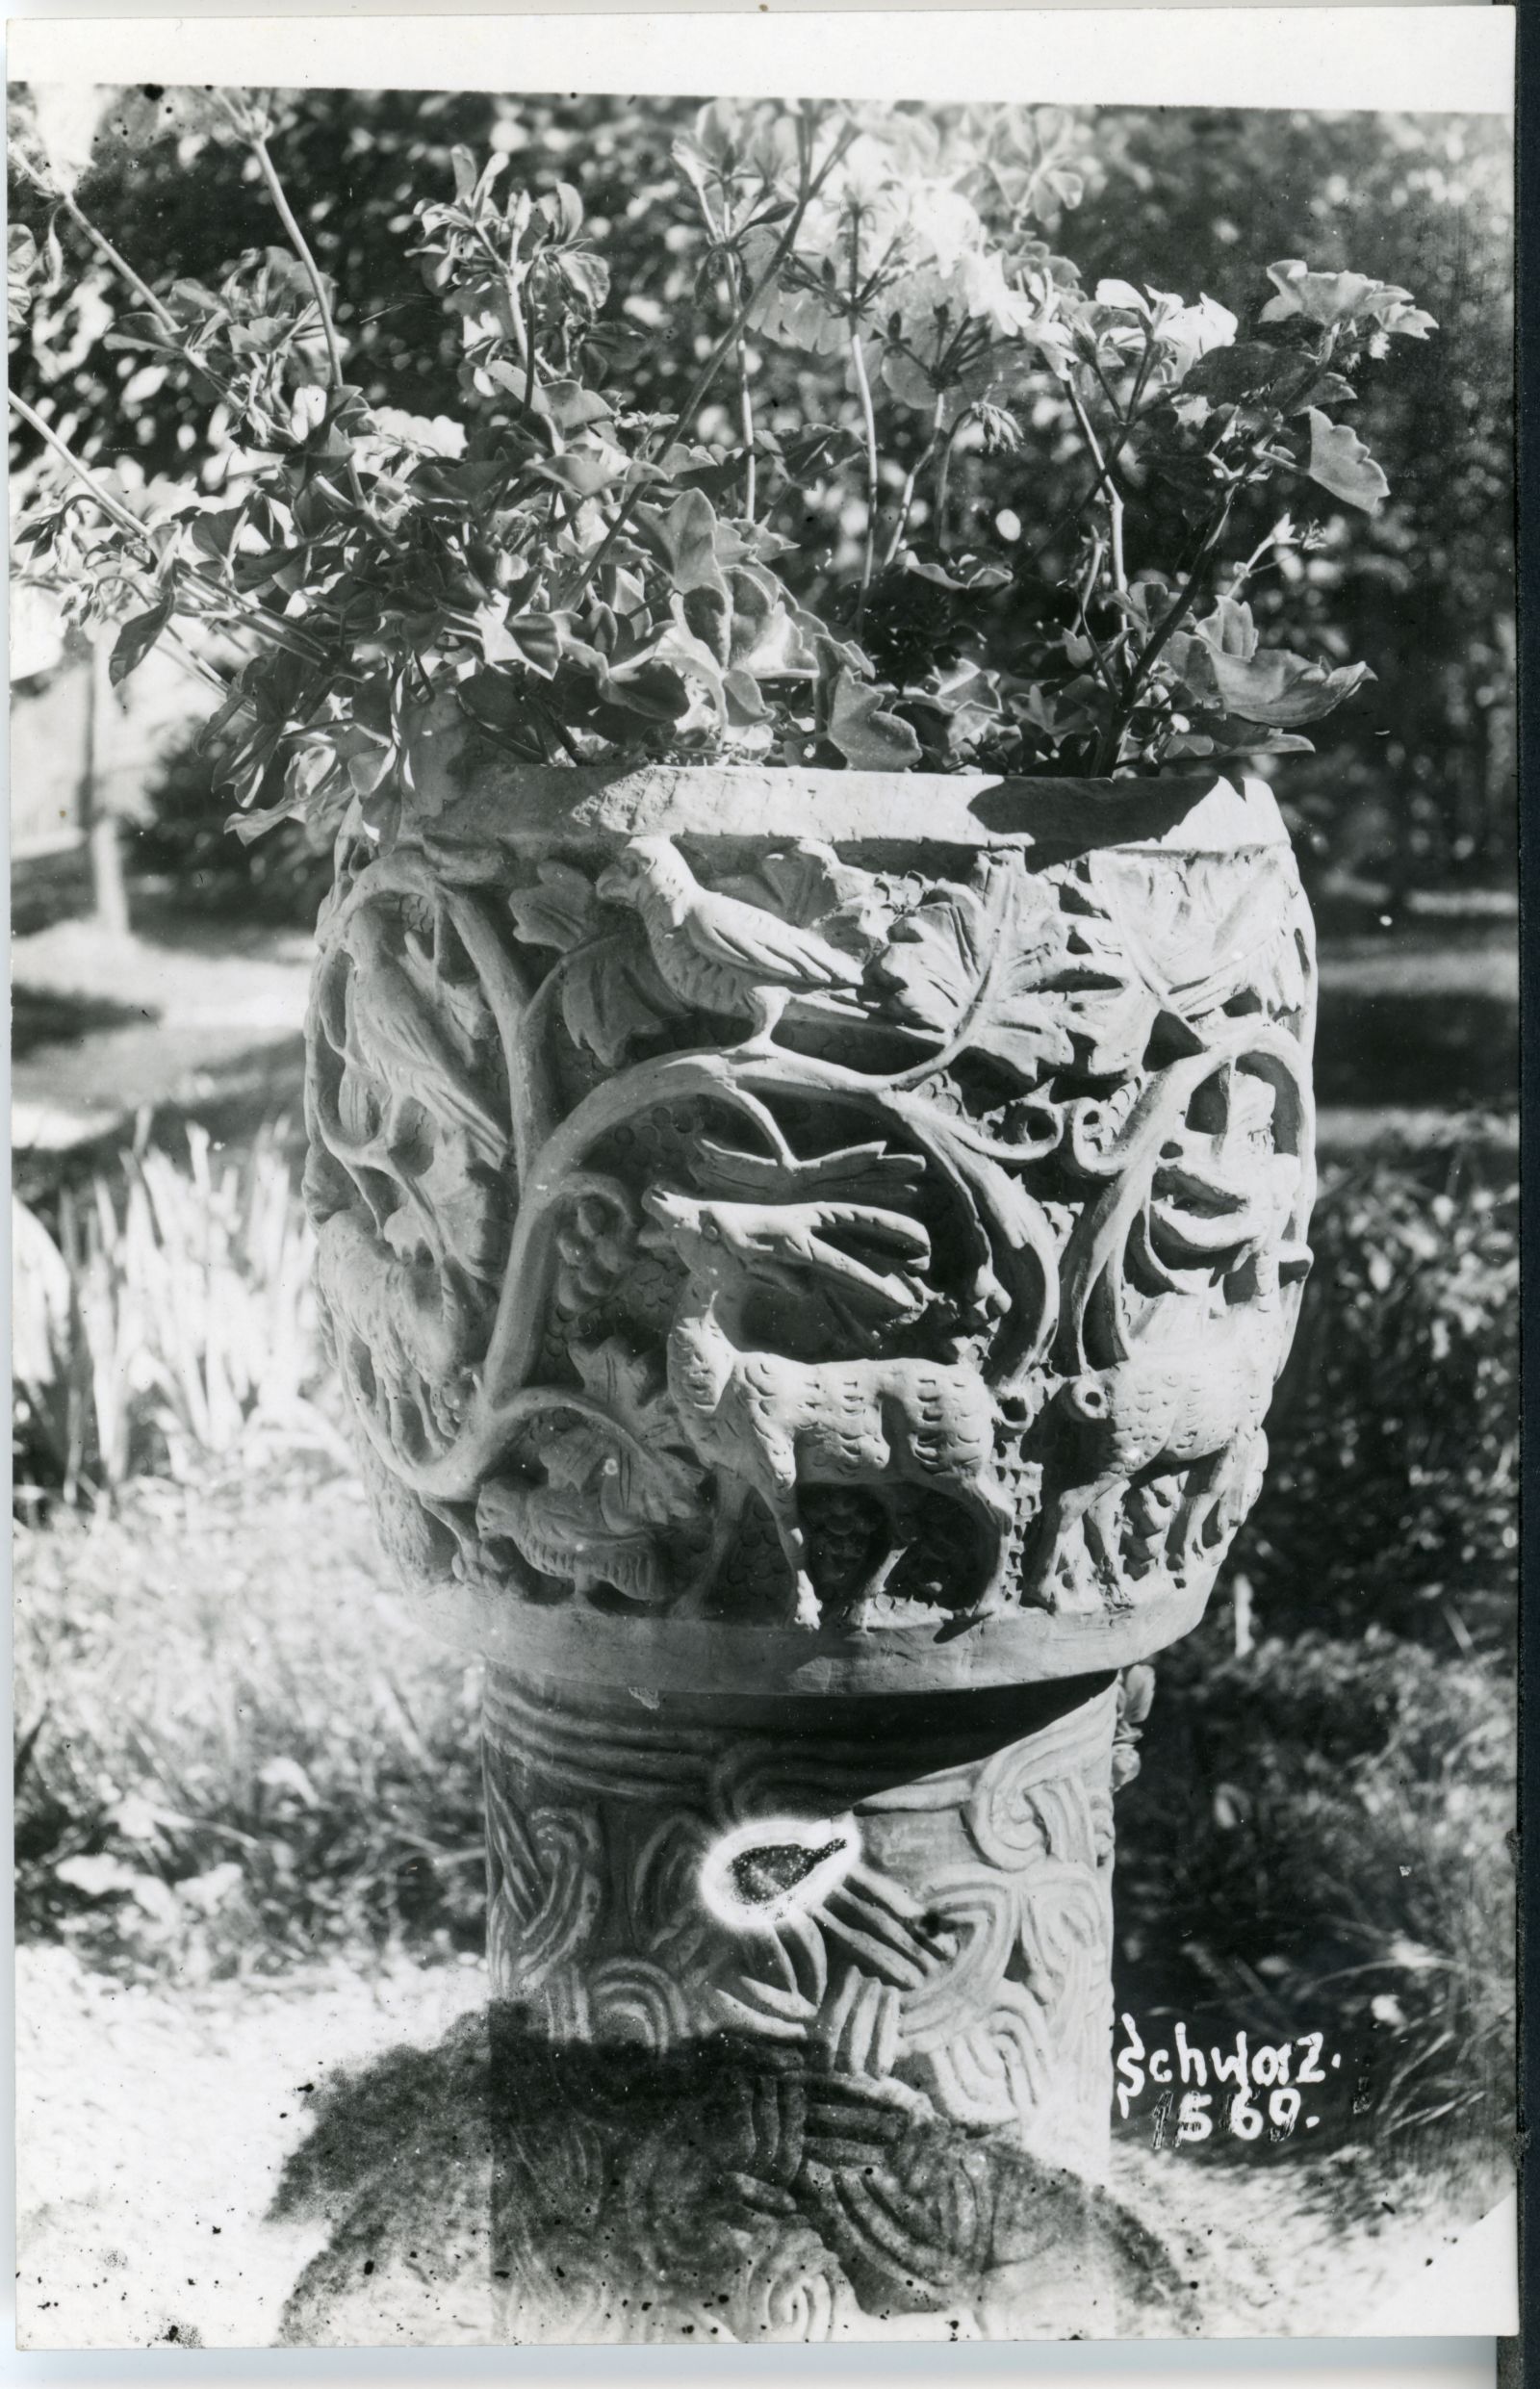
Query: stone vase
x=809, y=1255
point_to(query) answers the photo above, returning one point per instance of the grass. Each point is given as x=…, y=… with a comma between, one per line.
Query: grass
x=1318, y=1842
x=235, y=1750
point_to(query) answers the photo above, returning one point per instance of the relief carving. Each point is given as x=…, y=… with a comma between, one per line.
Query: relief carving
x=730, y=1232
x=947, y=1931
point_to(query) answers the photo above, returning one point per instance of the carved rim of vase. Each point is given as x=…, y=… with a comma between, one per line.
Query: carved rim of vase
x=473, y=803
x=471, y=792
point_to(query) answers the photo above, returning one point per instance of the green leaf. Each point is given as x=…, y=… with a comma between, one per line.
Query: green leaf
x=1229, y=630
x=582, y=472
x=137, y=636
x=686, y=538
x=765, y=641
x=1188, y=334
x=656, y=690
x=586, y=276
x=975, y=575
x=570, y=407
x=1253, y=372
x=498, y=645
x=214, y=534
x=535, y=639
x=1222, y=734
x=1341, y=463
x=868, y=735
x=563, y=209
x=708, y=617
x=744, y=702
x=1282, y=689
x=21, y=260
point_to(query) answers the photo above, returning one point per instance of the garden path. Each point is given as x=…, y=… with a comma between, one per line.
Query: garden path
x=184, y=1012
x=155, y=2127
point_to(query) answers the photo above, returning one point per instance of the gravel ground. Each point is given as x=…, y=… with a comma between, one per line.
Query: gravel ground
x=155, y=2127
x=152, y=2130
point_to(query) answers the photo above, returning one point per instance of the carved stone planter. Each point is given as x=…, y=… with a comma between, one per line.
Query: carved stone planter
x=808, y=1256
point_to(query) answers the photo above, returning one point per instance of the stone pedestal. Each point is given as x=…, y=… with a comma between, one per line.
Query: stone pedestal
x=916, y=1889
x=808, y=1258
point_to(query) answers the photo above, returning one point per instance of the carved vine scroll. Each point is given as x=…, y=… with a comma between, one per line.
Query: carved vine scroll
x=723, y=1230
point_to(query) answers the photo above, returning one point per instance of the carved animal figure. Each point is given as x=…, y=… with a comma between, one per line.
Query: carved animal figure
x=1190, y=1394
x=715, y=952
x=775, y=1425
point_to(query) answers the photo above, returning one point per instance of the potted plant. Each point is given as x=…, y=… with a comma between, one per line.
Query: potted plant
x=809, y=1115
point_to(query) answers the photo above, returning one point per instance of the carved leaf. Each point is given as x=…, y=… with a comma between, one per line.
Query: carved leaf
x=466, y=1203
x=1110, y=1009
x=809, y=885
x=561, y=1531
x=1186, y=942
x=639, y=1479
x=558, y=911
x=611, y=994
x=979, y=967
x=851, y=1172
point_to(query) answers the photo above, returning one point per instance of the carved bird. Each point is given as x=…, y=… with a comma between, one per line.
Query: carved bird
x=562, y=1536
x=392, y=1034
x=715, y=952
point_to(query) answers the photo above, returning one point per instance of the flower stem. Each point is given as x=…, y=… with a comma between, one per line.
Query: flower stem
x=136, y=282
x=1110, y=491
x=1112, y=737
x=943, y=476
x=751, y=490
x=253, y=135
x=713, y=363
x=103, y=497
x=864, y=391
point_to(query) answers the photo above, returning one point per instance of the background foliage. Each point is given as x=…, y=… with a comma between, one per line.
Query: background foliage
x=1416, y=781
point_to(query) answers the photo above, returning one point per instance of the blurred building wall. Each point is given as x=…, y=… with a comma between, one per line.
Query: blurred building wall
x=82, y=755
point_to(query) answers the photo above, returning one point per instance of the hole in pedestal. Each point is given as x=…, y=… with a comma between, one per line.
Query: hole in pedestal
x=758, y=1875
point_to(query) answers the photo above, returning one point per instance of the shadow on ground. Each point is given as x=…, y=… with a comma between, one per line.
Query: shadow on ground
x=502, y=2187
x=55, y=1015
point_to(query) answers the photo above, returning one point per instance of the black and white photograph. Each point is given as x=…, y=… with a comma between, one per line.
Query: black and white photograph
x=765, y=1196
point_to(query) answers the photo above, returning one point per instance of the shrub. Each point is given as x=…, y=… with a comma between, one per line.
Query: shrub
x=181, y=837
x=1393, y=1492
x=1320, y=1844
x=168, y=1316
x=578, y=576
x=234, y=1750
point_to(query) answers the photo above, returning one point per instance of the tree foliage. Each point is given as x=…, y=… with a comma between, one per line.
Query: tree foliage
x=774, y=429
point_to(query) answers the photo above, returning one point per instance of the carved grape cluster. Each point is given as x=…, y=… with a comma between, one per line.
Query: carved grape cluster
x=595, y=1245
